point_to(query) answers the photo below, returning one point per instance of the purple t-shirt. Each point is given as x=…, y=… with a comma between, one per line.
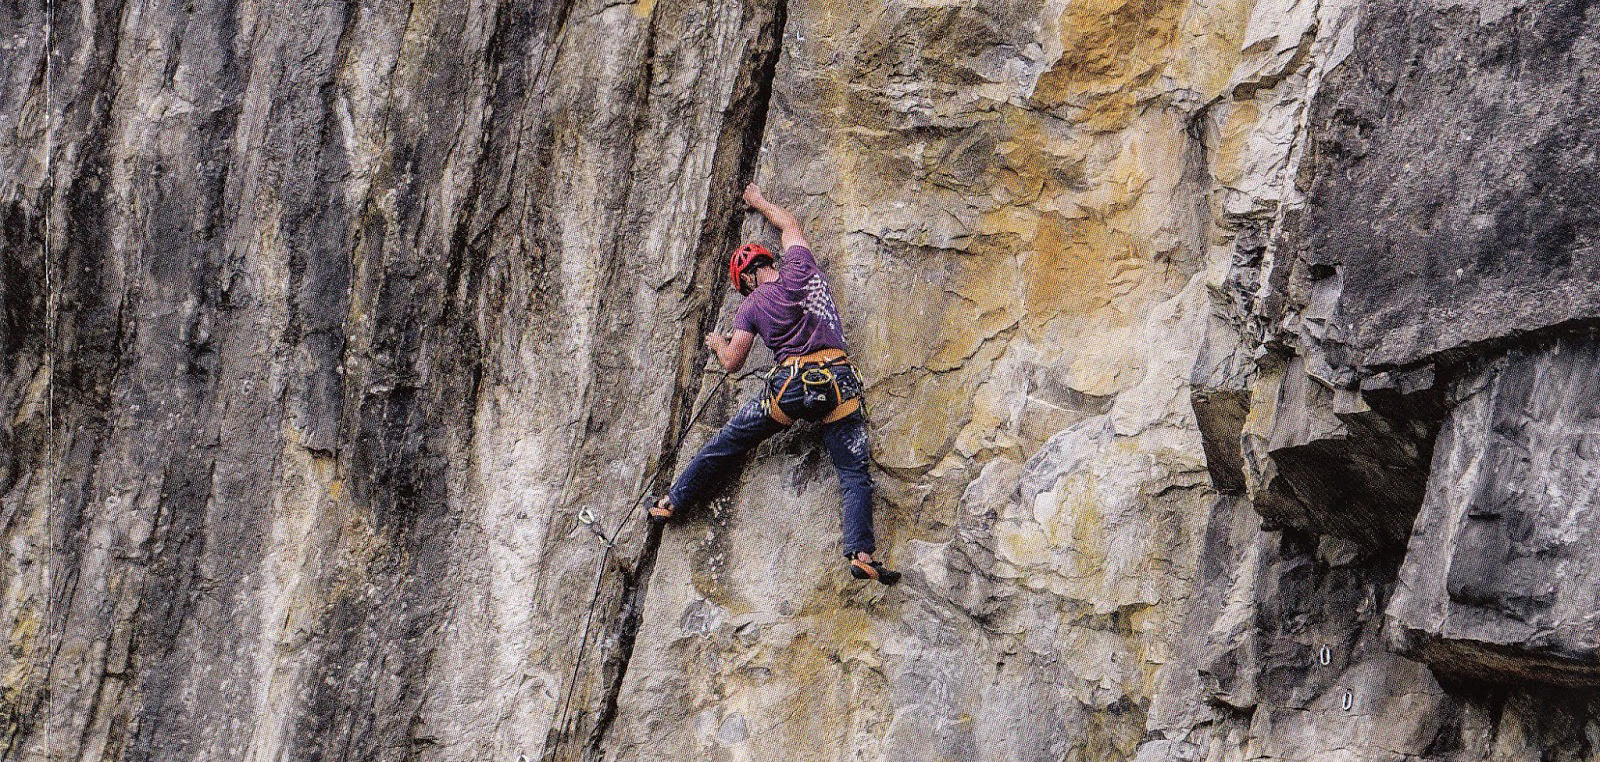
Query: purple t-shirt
x=794, y=315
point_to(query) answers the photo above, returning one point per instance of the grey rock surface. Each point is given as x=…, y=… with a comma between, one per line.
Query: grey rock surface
x=342, y=297
x=1496, y=582
x=1411, y=298
x=1446, y=191
x=337, y=337
x=1332, y=460
x=1452, y=196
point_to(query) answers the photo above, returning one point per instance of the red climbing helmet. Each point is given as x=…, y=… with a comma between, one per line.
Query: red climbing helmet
x=746, y=257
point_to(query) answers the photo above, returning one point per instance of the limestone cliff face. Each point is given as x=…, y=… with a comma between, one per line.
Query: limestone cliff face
x=1231, y=372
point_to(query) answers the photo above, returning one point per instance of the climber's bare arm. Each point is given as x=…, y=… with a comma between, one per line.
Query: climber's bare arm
x=780, y=217
x=732, y=352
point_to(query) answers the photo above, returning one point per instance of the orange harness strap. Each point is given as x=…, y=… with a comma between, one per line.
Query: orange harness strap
x=845, y=408
x=823, y=357
x=772, y=404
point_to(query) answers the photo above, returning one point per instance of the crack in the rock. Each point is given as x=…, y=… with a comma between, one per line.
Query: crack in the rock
x=733, y=165
x=1298, y=62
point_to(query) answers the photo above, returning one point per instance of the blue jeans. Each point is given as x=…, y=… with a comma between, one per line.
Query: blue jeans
x=846, y=439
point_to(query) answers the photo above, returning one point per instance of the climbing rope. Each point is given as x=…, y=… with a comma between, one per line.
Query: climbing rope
x=609, y=541
x=51, y=468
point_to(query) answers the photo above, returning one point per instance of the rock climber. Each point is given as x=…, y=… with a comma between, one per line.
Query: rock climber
x=789, y=306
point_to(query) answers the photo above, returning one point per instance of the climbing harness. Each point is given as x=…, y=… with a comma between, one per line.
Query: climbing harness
x=587, y=517
x=818, y=378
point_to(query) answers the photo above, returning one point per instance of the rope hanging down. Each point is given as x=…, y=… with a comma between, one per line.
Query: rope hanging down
x=609, y=541
x=51, y=468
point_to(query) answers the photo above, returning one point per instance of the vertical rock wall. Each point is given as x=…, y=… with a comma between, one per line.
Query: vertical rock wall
x=1494, y=584
x=358, y=306
x=1177, y=317
x=1417, y=319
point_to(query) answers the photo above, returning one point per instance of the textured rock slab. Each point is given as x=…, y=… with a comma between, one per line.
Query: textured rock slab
x=1499, y=580
x=341, y=356
x=435, y=275
x=1327, y=460
x=1448, y=210
x=1033, y=634
x=1453, y=198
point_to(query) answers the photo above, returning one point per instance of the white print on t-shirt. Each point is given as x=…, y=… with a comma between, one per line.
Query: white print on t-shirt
x=820, y=303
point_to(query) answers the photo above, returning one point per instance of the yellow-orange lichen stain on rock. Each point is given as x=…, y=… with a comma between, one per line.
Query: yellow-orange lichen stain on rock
x=1110, y=51
x=1012, y=202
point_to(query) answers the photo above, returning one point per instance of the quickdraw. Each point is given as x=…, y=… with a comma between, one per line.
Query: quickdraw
x=587, y=518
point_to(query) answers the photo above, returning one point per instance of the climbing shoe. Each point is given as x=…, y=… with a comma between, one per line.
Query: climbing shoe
x=875, y=570
x=659, y=515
